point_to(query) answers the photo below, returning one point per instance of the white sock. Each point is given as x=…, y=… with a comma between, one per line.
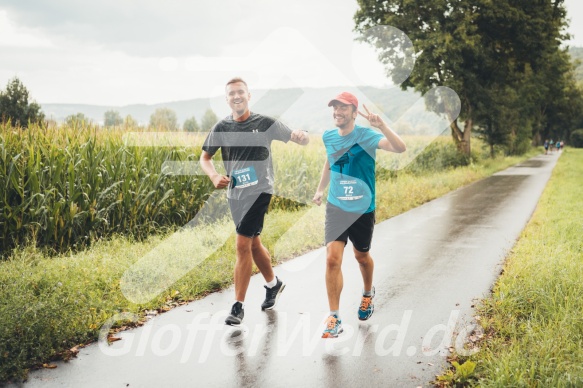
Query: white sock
x=272, y=283
x=335, y=312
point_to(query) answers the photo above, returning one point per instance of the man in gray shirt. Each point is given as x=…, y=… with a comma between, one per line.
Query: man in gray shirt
x=244, y=139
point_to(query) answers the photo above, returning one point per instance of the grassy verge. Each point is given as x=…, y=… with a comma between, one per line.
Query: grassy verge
x=533, y=321
x=51, y=304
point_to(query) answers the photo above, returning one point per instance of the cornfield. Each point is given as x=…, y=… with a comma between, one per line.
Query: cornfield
x=64, y=187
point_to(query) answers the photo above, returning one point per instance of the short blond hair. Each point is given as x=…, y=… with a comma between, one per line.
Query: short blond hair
x=234, y=80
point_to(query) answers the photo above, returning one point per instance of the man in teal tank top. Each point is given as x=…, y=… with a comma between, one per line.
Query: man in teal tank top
x=350, y=209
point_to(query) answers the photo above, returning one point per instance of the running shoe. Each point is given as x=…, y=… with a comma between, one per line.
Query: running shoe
x=272, y=295
x=236, y=315
x=366, y=307
x=333, y=327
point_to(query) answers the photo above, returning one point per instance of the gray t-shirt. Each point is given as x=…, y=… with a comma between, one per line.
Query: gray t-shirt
x=246, y=152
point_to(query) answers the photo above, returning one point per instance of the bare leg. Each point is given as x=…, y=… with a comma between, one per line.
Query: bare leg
x=243, y=266
x=366, y=268
x=262, y=259
x=334, y=280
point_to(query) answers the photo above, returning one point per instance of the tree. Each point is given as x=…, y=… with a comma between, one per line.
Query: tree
x=130, y=122
x=164, y=119
x=208, y=120
x=76, y=120
x=447, y=43
x=191, y=125
x=496, y=120
x=576, y=54
x=15, y=105
x=112, y=118
x=561, y=104
x=576, y=138
x=476, y=47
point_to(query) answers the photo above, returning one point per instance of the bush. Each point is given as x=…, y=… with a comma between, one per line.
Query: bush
x=440, y=155
x=577, y=138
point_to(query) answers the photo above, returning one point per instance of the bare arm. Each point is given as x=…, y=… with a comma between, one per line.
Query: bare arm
x=324, y=180
x=392, y=142
x=206, y=163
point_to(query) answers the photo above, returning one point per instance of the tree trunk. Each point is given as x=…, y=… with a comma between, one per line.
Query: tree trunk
x=462, y=138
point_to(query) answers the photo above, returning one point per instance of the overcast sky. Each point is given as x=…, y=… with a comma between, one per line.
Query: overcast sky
x=119, y=52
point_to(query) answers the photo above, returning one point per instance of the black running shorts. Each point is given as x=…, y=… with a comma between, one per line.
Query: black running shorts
x=248, y=215
x=342, y=225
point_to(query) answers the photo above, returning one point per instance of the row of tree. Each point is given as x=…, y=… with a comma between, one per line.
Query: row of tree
x=163, y=118
x=504, y=59
x=17, y=107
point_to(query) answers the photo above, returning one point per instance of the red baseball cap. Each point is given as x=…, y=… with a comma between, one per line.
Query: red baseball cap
x=345, y=98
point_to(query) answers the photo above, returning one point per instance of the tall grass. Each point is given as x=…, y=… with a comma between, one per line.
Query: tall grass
x=533, y=320
x=297, y=171
x=66, y=187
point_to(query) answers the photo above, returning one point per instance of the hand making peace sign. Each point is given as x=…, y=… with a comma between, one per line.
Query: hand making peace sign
x=374, y=119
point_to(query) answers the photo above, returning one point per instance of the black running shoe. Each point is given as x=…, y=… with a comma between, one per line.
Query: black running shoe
x=272, y=295
x=236, y=315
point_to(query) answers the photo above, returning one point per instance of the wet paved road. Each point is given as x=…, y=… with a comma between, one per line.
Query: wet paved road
x=431, y=264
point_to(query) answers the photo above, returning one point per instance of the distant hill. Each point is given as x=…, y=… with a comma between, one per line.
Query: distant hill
x=577, y=54
x=304, y=108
